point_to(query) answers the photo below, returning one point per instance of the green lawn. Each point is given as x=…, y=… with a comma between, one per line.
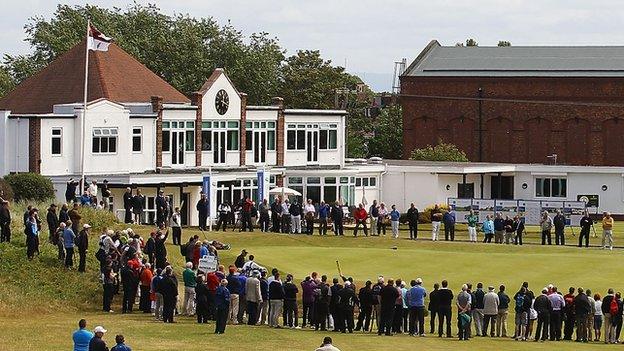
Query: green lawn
x=40, y=302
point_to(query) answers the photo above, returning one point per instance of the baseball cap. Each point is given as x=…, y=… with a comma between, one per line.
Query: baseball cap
x=86, y=226
x=99, y=329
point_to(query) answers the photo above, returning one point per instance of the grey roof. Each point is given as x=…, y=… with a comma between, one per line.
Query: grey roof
x=512, y=61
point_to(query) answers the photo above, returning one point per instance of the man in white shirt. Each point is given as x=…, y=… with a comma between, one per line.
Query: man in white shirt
x=309, y=212
x=286, y=216
x=93, y=190
x=327, y=345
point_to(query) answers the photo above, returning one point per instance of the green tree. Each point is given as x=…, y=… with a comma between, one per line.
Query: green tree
x=6, y=82
x=504, y=43
x=387, y=137
x=471, y=42
x=440, y=152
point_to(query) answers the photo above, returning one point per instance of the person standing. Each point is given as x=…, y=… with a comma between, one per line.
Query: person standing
x=559, y=221
x=176, y=226
x=395, y=216
x=309, y=212
x=82, y=242
x=433, y=307
x=382, y=219
x=161, y=208
x=348, y=300
x=96, y=343
x=412, y=220
x=546, y=224
x=388, y=296
x=223, y=211
x=598, y=317
x=276, y=300
x=518, y=225
x=276, y=213
x=522, y=308
x=286, y=216
x=609, y=326
x=582, y=308
x=169, y=290
x=222, y=306
x=337, y=216
x=138, y=205
x=82, y=337
x=323, y=211
x=449, y=225
x=264, y=209
x=253, y=297
x=499, y=228
x=70, y=190
x=607, y=231
x=234, y=288
x=416, y=303
x=544, y=309
x=509, y=229
x=586, y=224
x=557, y=303
x=145, y=281
x=32, y=234
x=503, y=312
x=445, y=299
x=488, y=229
x=360, y=217
x=190, y=282
x=202, y=306
x=334, y=309
x=436, y=219
x=291, y=311
x=365, y=297
x=53, y=221
x=246, y=209
x=160, y=250
x=106, y=194
x=5, y=222
x=479, y=315
x=129, y=281
x=463, y=313
x=295, y=211
x=472, y=219
x=373, y=212
x=75, y=217
x=202, y=211
x=127, y=203
x=569, y=314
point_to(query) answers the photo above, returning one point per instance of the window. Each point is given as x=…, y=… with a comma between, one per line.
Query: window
x=550, y=187
x=333, y=139
x=271, y=140
x=166, y=144
x=57, y=141
x=248, y=141
x=190, y=140
x=232, y=139
x=206, y=140
x=136, y=139
x=365, y=181
x=323, y=139
x=291, y=140
x=300, y=139
x=104, y=141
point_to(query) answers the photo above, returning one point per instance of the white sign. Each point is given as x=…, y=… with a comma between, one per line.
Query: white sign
x=208, y=264
x=484, y=207
x=531, y=211
x=461, y=207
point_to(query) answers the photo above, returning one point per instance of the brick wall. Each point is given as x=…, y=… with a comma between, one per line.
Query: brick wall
x=280, y=144
x=34, y=145
x=518, y=132
x=157, y=105
x=196, y=100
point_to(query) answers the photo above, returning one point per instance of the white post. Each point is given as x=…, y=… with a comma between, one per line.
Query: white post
x=84, y=112
x=210, y=200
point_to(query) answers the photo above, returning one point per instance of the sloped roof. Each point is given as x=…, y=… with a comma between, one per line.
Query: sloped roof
x=213, y=78
x=113, y=75
x=530, y=61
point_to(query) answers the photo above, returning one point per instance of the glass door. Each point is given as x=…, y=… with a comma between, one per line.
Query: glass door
x=312, y=145
x=219, y=146
x=260, y=138
x=177, y=147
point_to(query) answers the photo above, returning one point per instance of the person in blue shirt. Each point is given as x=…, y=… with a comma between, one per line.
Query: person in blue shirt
x=323, y=212
x=222, y=306
x=68, y=241
x=32, y=234
x=449, y=225
x=488, y=229
x=395, y=215
x=82, y=337
x=85, y=199
x=416, y=304
x=121, y=346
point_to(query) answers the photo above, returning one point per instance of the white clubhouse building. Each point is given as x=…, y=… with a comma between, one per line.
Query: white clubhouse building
x=142, y=133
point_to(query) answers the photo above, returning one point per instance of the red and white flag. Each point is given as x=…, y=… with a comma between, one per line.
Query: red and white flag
x=97, y=41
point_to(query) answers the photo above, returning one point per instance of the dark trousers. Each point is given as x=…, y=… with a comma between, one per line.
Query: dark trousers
x=413, y=229
x=129, y=294
x=222, y=313
x=568, y=329
x=276, y=222
x=338, y=321
x=339, y=228
x=222, y=221
x=559, y=237
x=32, y=245
x=5, y=232
x=322, y=226
x=584, y=235
x=346, y=315
x=443, y=314
x=202, y=312
x=264, y=222
x=69, y=257
x=252, y=312
x=168, y=308
x=286, y=223
x=82, y=262
x=246, y=222
x=543, y=321
x=581, y=327
x=381, y=226
x=364, y=317
x=308, y=313
x=144, y=300
x=397, y=321
x=128, y=215
x=488, y=237
x=357, y=226
x=449, y=232
x=555, y=325
x=385, y=320
x=291, y=313
x=107, y=298
x=546, y=236
x=177, y=235
x=417, y=320
x=432, y=318
x=518, y=238
x=487, y=319
x=321, y=311
x=212, y=313
x=464, y=329
x=309, y=226
x=203, y=218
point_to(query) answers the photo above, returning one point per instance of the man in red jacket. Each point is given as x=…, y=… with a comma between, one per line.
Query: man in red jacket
x=360, y=216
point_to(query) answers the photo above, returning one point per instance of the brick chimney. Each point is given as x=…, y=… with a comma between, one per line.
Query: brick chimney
x=243, y=129
x=157, y=107
x=280, y=145
x=196, y=100
x=34, y=145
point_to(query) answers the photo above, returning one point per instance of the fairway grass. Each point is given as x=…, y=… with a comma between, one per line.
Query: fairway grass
x=33, y=327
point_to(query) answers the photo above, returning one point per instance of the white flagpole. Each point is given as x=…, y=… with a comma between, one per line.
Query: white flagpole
x=84, y=112
x=210, y=200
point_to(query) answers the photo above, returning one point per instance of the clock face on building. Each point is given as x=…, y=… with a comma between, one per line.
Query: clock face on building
x=222, y=101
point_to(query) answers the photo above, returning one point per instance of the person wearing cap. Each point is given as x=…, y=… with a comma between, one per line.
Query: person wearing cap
x=96, y=343
x=82, y=242
x=365, y=296
x=253, y=297
x=416, y=304
x=120, y=344
x=327, y=345
x=82, y=336
x=222, y=306
x=490, y=311
x=68, y=241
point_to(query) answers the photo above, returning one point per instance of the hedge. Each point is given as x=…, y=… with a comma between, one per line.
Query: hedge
x=30, y=187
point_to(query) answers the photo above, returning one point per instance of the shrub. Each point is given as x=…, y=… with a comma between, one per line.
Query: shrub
x=6, y=192
x=440, y=152
x=424, y=216
x=30, y=187
x=98, y=219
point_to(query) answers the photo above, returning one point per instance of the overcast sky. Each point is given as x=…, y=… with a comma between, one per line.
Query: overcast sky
x=370, y=35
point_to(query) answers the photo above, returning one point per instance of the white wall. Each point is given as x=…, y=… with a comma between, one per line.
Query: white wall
x=325, y=157
x=169, y=115
x=66, y=162
x=4, y=117
x=16, y=145
x=402, y=188
x=209, y=111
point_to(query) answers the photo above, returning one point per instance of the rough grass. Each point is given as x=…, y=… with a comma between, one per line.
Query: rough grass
x=40, y=302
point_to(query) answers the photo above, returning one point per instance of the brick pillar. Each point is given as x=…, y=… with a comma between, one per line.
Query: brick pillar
x=280, y=145
x=157, y=107
x=196, y=100
x=34, y=148
x=243, y=129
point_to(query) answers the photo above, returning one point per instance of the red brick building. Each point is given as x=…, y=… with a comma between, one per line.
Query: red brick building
x=535, y=102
